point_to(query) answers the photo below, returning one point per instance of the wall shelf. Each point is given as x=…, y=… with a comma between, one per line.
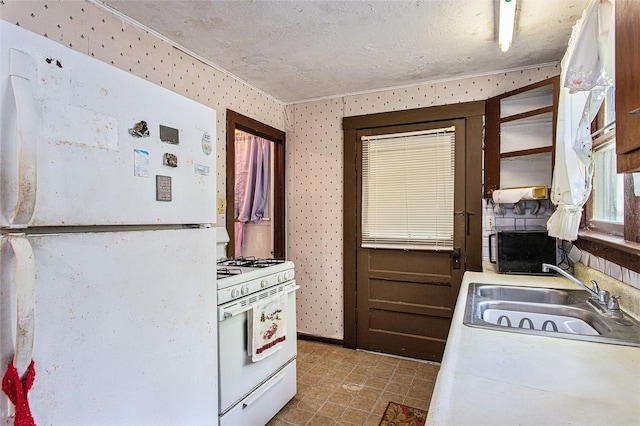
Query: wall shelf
x=520, y=136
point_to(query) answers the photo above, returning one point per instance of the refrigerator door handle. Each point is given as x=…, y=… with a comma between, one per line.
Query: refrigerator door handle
x=25, y=300
x=21, y=68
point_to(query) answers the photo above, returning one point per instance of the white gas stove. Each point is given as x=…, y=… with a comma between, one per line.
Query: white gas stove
x=244, y=276
x=253, y=391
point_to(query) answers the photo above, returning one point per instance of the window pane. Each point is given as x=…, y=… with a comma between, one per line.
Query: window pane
x=609, y=106
x=608, y=186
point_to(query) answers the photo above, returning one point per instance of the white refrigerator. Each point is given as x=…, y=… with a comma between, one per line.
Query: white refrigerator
x=107, y=254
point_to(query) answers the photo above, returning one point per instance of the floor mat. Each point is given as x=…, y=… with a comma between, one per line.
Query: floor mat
x=401, y=415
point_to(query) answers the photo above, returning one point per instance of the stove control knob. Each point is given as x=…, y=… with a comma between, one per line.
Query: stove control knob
x=264, y=283
x=280, y=278
x=245, y=289
x=288, y=275
x=235, y=293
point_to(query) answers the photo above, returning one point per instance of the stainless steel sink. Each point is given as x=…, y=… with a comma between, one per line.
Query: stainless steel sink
x=523, y=294
x=559, y=313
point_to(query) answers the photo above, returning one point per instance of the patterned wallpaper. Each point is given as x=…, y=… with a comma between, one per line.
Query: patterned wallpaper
x=314, y=131
x=314, y=193
x=96, y=32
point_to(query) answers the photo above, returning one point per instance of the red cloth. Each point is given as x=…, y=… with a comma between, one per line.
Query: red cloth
x=16, y=390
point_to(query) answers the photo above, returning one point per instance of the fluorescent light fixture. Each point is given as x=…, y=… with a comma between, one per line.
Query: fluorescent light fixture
x=507, y=21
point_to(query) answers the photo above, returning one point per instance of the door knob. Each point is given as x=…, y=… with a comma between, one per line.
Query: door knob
x=455, y=257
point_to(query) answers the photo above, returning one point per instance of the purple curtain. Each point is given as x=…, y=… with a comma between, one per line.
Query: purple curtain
x=253, y=169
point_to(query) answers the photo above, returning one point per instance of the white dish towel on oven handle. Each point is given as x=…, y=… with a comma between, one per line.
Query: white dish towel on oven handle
x=267, y=326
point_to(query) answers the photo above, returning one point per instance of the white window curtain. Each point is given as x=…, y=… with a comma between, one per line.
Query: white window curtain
x=587, y=71
x=407, y=190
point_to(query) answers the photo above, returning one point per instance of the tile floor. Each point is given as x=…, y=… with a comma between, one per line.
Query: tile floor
x=338, y=386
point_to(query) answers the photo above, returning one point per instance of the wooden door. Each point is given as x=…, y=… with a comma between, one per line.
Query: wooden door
x=405, y=298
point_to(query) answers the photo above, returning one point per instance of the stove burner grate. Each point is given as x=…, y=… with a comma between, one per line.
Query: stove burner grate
x=238, y=261
x=264, y=263
x=250, y=262
x=228, y=272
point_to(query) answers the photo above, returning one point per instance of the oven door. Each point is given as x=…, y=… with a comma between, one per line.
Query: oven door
x=238, y=374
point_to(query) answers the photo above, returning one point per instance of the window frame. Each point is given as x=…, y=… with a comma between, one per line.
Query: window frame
x=604, y=227
x=618, y=243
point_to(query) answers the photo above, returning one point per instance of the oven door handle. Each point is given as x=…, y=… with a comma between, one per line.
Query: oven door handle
x=230, y=313
x=235, y=312
x=292, y=289
x=274, y=380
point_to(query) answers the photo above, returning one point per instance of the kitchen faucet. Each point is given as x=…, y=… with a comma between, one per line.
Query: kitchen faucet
x=600, y=299
x=593, y=292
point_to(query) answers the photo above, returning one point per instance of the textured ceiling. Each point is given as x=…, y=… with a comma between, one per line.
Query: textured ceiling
x=301, y=50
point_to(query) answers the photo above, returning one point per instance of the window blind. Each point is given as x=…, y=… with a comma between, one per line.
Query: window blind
x=407, y=190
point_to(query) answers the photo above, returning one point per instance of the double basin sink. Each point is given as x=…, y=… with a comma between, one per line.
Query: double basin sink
x=559, y=313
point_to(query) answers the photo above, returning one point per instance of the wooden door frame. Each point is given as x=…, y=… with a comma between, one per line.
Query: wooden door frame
x=471, y=259
x=237, y=121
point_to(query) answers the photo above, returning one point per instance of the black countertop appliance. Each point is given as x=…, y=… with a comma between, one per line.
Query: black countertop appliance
x=522, y=251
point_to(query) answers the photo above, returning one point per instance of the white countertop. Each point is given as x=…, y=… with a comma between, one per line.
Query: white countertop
x=493, y=377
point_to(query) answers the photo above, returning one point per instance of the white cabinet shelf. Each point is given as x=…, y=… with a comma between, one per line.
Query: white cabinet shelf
x=540, y=97
x=520, y=136
x=527, y=133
